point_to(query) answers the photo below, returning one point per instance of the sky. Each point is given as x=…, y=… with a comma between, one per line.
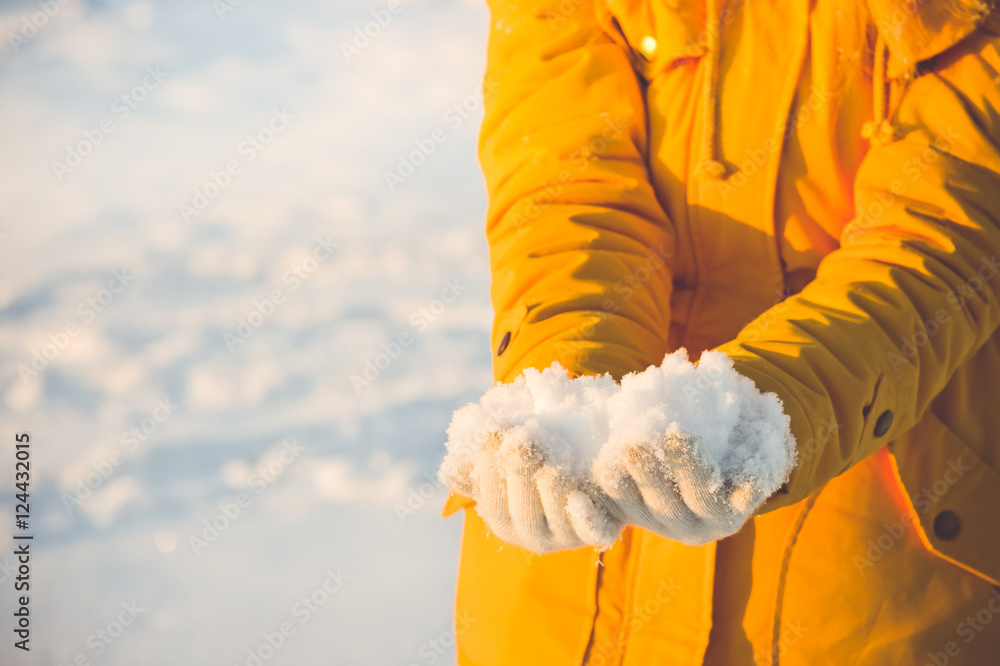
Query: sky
x=245, y=285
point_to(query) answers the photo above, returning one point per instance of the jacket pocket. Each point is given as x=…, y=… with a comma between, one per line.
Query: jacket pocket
x=954, y=495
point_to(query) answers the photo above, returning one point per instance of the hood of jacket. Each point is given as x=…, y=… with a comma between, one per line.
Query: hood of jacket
x=918, y=30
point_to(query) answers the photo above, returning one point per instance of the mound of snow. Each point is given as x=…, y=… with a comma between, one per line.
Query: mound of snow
x=742, y=435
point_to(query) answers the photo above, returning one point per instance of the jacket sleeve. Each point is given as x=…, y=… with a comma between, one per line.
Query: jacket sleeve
x=579, y=245
x=912, y=292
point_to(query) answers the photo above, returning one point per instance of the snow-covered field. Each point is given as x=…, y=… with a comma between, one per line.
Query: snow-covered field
x=235, y=342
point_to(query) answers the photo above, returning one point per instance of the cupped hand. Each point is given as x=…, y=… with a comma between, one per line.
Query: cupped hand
x=668, y=486
x=528, y=501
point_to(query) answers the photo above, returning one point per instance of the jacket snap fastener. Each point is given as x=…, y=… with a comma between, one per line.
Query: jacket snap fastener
x=947, y=525
x=503, y=343
x=883, y=424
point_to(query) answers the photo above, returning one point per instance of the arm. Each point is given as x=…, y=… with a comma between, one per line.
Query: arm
x=579, y=244
x=911, y=294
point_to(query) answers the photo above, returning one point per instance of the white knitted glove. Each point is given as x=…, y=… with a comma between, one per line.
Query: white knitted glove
x=524, y=453
x=688, y=452
x=667, y=487
x=530, y=502
x=693, y=450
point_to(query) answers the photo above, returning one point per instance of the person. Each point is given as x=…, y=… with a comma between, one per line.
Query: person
x=813, y=190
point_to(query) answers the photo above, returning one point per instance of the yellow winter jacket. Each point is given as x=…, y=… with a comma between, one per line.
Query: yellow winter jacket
x=814, y=189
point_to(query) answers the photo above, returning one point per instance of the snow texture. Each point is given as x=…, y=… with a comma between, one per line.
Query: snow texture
x=569, y=418
x=744, y=435
x=735, y=439
x=114, y=517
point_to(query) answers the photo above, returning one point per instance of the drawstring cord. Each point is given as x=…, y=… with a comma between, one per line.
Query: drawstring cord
x=879, y=131
x=710, y=167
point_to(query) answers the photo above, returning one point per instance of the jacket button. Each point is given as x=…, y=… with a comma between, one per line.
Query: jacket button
x=503, y=343
x=883, y=424
x=947, y=525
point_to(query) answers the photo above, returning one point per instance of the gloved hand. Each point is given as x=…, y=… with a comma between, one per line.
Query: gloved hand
x=668, y=487
x=524, y=453
x=688, y=452
x=693, y=451
x=528, y=501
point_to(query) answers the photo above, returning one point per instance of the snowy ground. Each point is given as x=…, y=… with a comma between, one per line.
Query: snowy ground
x=178, y=354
